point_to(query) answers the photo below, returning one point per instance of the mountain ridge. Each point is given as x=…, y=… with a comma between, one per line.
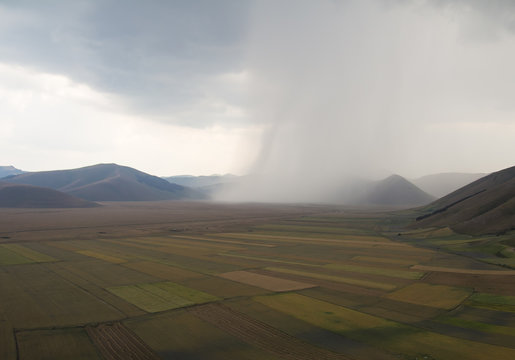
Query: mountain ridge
x=107, y=182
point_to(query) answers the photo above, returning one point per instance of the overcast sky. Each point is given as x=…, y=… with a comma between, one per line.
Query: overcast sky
x=298, y=89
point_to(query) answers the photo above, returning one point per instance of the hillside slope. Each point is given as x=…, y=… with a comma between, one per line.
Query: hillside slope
x=9, y=171
x=486, y=206
x=107, y=182
x=28, y=196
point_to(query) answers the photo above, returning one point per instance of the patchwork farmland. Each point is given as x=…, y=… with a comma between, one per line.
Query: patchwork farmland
x=207, y=281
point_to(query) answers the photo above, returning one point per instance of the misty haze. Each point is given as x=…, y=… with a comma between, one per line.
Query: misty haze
x=303, y=180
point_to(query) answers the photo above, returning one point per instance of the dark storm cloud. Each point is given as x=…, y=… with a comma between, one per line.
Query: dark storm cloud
x=158, y=54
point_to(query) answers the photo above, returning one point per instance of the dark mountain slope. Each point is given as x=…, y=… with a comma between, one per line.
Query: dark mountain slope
x=485, y=206
x=27, y=196
x=108, y=182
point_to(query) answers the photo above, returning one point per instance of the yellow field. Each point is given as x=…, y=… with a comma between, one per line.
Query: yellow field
x=323, y=314
x=100, y=256
x=402, y=274
x=438, y=296
x=264, y=281
x=341, y=279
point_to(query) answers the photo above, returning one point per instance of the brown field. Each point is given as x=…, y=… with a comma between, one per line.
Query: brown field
x=115, y=341
x=464, y=271
x=179, y=280
x=265, y=282
x=261, y=335
x=62, y=344
x=182, y=335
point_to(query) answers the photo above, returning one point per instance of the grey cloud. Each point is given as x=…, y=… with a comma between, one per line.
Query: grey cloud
x=158, y=54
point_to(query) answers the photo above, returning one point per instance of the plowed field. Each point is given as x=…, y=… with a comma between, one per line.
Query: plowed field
x=260, y=334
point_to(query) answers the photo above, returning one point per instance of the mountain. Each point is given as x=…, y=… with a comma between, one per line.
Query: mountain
x=486, y=206
x=442, y=184
x=27, y=196
x=392, y=191
x=9, y=170
x=201, y=181
x=107, y=182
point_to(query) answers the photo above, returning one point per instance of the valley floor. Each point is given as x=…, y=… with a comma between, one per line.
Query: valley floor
x=178, y=280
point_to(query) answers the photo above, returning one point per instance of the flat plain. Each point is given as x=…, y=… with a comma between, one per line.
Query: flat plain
x=193, y=280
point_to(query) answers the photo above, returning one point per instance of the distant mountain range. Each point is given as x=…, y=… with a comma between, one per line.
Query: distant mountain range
x=27, y=196
x=107, y=182
x=9, y=170
x=201, y=181
x=442, y=184
x=486, y=206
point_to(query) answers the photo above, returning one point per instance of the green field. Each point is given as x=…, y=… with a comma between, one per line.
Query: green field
x=161, y=296
x=221, y=285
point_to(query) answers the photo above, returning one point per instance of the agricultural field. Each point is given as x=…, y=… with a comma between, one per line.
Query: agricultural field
x=214, y=281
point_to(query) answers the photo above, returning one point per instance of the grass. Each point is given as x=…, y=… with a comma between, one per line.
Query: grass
x=437, y=296
x=405, y=341
x=9, y=257
x=56, y=345
x=476, y=325
x=161, y=296
x=492, y=301
x=30, y=254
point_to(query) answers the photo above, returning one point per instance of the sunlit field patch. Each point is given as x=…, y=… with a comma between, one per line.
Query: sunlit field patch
x=438, y=296
x=154, y=297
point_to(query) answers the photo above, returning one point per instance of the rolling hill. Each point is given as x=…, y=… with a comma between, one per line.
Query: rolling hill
x=393, y=191
x=28, y=196
x=486, y=206
x=442, y=184
x=107, y=182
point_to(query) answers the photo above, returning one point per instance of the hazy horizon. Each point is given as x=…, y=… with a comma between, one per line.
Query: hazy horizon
x=305, y=93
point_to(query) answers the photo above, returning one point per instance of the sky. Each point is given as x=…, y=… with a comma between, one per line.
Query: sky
x=300, y=92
